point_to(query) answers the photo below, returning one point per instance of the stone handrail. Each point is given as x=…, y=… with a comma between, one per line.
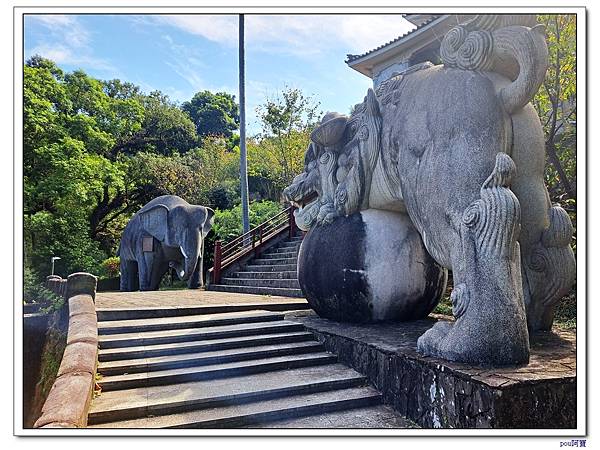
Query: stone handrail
x=69, y=398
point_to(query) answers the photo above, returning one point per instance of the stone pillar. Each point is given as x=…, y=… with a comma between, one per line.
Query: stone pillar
x=56, y=284
x=81, y=283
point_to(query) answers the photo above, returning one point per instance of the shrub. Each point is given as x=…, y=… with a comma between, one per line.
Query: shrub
x=228, y=224
x=220, y=197
x=35, y=292
x=110, y=267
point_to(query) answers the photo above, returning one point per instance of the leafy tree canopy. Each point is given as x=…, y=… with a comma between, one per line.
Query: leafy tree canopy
x=96, y=151
x=213, y=114
x=556, y=103
x=276, y=155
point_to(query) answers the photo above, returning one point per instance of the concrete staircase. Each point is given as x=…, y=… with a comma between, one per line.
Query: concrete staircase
x=226, y=370
x=274, y=272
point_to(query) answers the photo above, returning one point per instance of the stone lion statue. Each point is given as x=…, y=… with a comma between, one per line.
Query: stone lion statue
x=460, y=150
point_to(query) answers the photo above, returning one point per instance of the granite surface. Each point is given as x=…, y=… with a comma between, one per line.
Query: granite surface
x=442, y=394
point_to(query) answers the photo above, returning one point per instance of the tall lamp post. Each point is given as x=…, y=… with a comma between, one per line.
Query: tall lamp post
x=54, y=258
x=243, y=159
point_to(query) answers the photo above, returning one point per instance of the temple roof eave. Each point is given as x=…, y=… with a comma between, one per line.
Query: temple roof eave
x=364, y=63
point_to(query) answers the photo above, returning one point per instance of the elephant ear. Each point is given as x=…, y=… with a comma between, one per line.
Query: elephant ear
x=203, y=216
x=155, y=221
x=208, y=223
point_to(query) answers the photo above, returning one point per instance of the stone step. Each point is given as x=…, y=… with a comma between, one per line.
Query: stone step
x=268, y=282
x=295, y=239
x=278, y=255
x=287, y=274
x=213, y=371
x=173, y=323
x=139, y=365
x=105, y=314
x=180, y=348
x=158, y=400
x=283, y=292
x=287, y=247
x=259, y=412
x=272, y=268
x=273, y=261
x=195, y=334
x=372, y=417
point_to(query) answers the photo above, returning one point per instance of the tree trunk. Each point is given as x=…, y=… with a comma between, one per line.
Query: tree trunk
x=562, y=176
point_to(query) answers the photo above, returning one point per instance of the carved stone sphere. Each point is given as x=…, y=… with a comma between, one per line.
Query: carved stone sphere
x=371, y=266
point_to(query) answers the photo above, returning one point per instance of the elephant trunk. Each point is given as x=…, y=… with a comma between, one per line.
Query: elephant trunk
x=190, y=271
x=196, y=281
x=179, y=269
x=189, y=265
x=191, y=252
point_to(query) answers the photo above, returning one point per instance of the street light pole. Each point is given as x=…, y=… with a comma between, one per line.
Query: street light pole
x=243, y=157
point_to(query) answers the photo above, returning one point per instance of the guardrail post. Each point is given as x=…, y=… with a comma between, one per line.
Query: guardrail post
x=217, y=263
x=260, y=241
x=291, y=222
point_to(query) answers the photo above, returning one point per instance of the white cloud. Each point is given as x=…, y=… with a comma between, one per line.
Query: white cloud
x=302, y=35
x=189, y=74
x=222, y=29
x=62, y=27
x=61, y=54
x=187, y=62
x=363, y=33
x=67, y=42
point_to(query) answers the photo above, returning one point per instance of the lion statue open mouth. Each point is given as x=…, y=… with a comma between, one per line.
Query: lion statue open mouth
x=313, y=191
x=304, y=192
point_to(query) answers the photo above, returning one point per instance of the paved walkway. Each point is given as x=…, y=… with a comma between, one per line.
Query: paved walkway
x=183, y=297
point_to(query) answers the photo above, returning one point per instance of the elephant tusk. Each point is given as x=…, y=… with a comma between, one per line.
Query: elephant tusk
x=183, y=252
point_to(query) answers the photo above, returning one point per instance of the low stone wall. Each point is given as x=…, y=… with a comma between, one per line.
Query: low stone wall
x=440, y=394
x=109, y=284
x=57, y=285
x=69, y=398
x=35, y=328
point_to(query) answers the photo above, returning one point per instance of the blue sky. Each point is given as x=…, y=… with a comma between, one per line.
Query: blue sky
x=183, y=54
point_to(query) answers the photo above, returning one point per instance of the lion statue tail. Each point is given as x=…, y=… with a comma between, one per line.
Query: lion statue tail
x=525, y=50
x=505, y=45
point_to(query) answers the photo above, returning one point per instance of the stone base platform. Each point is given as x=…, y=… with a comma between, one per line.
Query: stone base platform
x=439, y=394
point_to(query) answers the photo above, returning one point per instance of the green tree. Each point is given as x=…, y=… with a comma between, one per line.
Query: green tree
x=556, y=104
x=95, y=152
x=121, y=89
x=165, y=129
x=213, y=114
x=64, y=165
x=228, y=223
x=276, y=155
x=70, y=172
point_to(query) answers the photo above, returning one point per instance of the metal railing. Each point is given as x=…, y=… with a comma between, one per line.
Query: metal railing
x=251, y=242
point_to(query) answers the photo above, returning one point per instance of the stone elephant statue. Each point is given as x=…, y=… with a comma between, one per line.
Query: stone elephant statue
x=459, y=148
x=166, y=233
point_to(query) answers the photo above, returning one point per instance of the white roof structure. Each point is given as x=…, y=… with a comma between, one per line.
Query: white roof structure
x=419, y=45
